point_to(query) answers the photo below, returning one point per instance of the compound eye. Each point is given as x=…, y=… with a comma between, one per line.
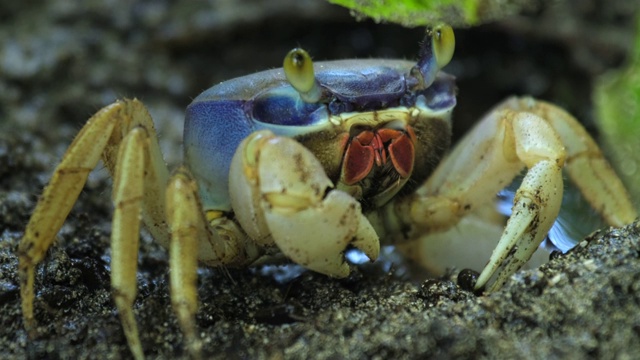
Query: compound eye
x=298, y=68
x=444, y=43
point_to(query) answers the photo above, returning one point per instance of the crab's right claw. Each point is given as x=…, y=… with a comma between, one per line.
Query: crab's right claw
x=279, y=194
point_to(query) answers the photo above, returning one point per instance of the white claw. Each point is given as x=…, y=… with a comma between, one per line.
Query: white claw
x=366, y=238
x=317, y=236
x=282, y=193
x=244, y=191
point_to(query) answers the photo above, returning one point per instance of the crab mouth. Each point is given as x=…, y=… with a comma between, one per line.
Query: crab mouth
x=379, y=154
x=383, y=149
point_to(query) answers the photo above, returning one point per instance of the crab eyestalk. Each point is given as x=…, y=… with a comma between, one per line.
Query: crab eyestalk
x=298, y=68
x=435, y=53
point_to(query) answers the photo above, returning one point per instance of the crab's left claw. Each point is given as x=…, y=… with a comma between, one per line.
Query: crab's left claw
x=281, y=196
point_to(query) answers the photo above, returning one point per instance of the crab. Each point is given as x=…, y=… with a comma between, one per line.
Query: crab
x=305, y=162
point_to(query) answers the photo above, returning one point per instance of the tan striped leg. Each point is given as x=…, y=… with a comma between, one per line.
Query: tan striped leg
x=586, y=167
x=57, y=200
x=187, y=226
x=585, y=163
x=136, y=163
x=215, y=242
x=128, y=192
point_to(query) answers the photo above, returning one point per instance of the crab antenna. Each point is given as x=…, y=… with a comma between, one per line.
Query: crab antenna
x=298, y=68
x=435, y=52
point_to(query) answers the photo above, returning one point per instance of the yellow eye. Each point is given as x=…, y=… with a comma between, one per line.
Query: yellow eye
x=444, y=43
x=298, y=68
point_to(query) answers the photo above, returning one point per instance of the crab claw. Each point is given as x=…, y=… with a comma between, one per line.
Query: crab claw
x=279, y=192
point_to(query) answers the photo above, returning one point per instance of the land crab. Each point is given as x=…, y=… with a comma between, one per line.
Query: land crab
x=307, y=161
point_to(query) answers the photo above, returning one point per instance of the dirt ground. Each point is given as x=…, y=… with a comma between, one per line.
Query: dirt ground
x=61, y=62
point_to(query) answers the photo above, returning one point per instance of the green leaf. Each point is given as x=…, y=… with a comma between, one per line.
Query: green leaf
x=413, y=13
x=617, y=101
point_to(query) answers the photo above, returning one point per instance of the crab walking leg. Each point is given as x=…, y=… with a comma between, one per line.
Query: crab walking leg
x=187, y=226
x=140, y=177
x=217, y=243
x=503, y=143
x=585, y=163
x=128, y=190
x=103, y=134
x=57, y=200
x=278, y=194
x=510, y=137
x=587, y=168
x=536, y=206
x=133, y=114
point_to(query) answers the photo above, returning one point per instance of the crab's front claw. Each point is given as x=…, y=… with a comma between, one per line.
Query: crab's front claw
x=279, y=193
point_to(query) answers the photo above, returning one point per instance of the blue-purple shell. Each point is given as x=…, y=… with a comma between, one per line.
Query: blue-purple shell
x=222, y=116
